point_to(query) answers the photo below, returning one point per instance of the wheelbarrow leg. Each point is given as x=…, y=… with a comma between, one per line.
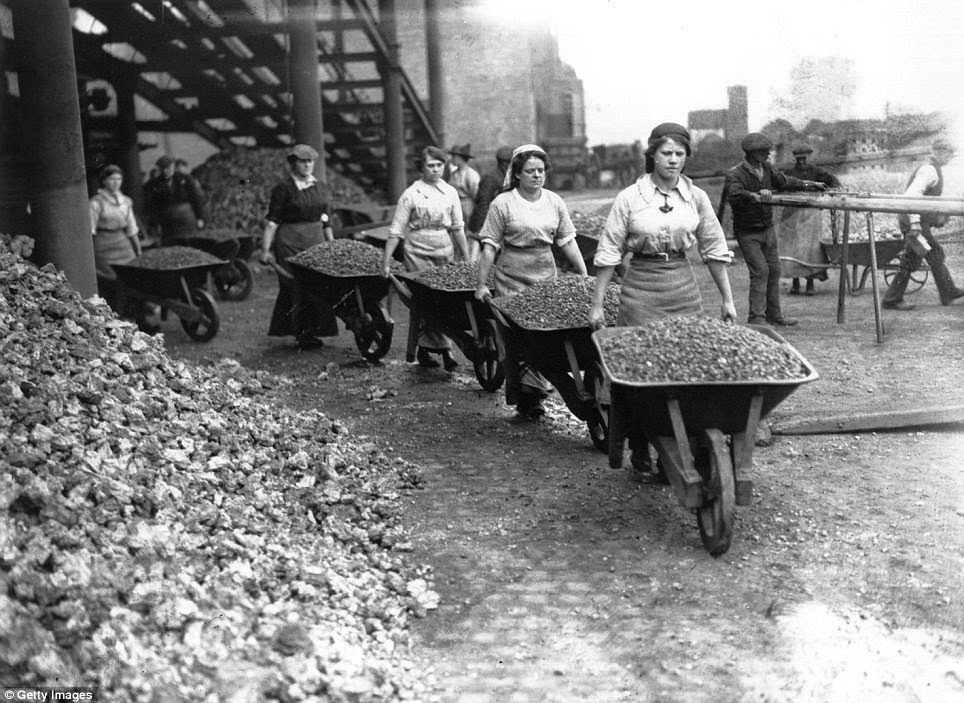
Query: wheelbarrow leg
x=414, y=329
x=742, y=451
x=678, y=460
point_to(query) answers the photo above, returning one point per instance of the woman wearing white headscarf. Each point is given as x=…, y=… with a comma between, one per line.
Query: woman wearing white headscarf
x=522, y=223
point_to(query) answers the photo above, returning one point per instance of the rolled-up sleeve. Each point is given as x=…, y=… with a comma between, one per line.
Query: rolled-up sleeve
x=131, y=224
x=566, y=231
x=95, y=208
x=493, y=229
x=710, y=239
x=612, y=242
x=455, y=210
x=403, y=212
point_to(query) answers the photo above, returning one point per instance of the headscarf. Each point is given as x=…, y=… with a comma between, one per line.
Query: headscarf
x=515, y=152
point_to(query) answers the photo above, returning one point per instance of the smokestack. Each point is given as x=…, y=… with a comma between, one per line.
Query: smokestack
x=737, y=114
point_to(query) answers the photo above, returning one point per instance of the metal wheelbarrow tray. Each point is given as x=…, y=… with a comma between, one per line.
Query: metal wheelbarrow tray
x=858, y=254
x=462, y=318
x=356, y=300
x=568, y=359
x=235, y=280
x=689, y=424
x=181, y=290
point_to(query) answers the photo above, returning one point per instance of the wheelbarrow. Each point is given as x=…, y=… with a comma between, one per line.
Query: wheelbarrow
x=357, y=300
x=858, y=255
x=704, y=433
x=181, y=290
x=462, y=318
x=567, y=358
x=235, y=280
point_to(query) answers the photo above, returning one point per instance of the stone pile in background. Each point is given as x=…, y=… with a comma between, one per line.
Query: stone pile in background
x=173, y=533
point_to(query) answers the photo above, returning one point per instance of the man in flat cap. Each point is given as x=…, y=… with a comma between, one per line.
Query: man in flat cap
x=463, y=177
x=489, y=187
x=748, y=187
x=173, y=203
x=919, y=241
x=801, y=228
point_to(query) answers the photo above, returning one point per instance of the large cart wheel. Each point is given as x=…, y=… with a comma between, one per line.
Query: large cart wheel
x=204, y=328
x=235, y=281
x=715, y=516
x=488, y=367
x=374, y=336
x=598, y=424
x=917, y=279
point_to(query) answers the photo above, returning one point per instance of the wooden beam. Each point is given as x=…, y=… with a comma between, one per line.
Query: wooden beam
x=870, y=421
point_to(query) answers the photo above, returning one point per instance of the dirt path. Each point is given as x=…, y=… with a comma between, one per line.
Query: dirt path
x=561, y=579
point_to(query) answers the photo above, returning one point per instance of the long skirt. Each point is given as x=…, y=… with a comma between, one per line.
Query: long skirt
x=799, y=231
x=310, y=317
x=517, y=269
x=426, y=249
x=652, y=289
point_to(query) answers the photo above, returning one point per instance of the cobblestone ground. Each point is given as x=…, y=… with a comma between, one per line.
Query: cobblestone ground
x=564, y=580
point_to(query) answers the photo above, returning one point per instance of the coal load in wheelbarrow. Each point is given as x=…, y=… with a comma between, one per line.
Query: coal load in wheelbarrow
x=547, y=327
x=235, y=280
x=345, y=275
x=176, y=278
x=444, y=297
x=687, y=385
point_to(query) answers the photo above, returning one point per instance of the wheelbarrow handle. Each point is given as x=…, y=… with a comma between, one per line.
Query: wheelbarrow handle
x=281, y=272
x=402, y=289
x=496, y=312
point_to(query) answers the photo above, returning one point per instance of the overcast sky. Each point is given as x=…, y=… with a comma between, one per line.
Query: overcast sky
x=644, y=62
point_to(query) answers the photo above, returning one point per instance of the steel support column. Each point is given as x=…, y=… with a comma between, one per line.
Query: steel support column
x=305, y=81
x=54, y=146
x=436, y=80
x=392, y=90
x=129, y=153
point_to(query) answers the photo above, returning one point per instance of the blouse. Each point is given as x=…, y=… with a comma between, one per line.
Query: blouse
x=515, y=221
x=292, y=202
x=426, y=206
x=637, y=224
x=112, y=213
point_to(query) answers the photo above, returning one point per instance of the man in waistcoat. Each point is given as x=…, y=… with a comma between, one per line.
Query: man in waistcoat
x=749, y=186
x=919, y=242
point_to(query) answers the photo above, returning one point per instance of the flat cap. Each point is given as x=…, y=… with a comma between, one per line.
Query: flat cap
x=504, y=153
x=164, y=162
x=943, y=144
x=800, y=148
x=302, y=152
x=463, y=150
x=755, y=141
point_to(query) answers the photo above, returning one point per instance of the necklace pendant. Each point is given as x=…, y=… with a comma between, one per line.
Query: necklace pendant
x=665, y=208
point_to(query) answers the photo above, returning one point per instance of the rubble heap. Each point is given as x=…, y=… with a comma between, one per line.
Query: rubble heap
x=171, y=533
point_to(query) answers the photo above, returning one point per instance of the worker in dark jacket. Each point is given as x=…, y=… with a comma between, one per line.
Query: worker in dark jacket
x=489, y=187
x=174, y=207
x=749, y=185
x=927, y=179
x=801, y=228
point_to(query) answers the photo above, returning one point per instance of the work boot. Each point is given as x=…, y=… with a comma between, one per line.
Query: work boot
x=795, y=287
x=945, y=284
x=894, y=297
x=810, y=290
x=448, y=362
x=783, y=321
x=425, y=360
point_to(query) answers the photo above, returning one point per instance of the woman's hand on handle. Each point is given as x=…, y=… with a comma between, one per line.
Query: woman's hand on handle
x=597, y=318
x=728, y=312
x=482, y=293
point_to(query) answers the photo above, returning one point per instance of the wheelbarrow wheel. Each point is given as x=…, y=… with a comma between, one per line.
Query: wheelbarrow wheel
x=374, y=336
x=203, y=329
x=235, y=281
x=917, y=279
x=598, y=424
x=715, y=516
x=488, y=368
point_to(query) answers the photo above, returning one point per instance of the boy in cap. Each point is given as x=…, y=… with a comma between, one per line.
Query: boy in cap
x=927, y=179
x=748, y=187
x=798, y=220
x=173, y=202
x=463, y=178
x=489, y=187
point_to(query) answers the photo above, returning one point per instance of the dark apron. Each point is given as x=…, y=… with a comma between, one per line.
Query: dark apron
x=311, y=317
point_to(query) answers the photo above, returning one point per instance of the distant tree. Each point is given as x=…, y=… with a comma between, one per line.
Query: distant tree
x=820, y=88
